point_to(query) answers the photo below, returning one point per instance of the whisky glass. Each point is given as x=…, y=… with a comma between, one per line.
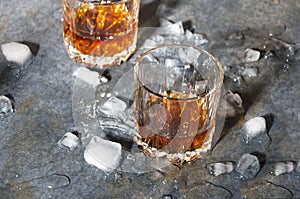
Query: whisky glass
x=177, y=92
x=99, y=32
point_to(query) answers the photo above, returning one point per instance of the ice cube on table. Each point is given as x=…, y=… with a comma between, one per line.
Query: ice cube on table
x=113, y=106
x=69, y=140
x=189, y=35
x=251, y=55
x=254, y=127
x=176, y=27
x=199, y=39
x=6, y=106
x=219, y=168
x=196, y=39
x=248, y=166
x=249, y=74
x=103, y=154
x=90, y=77
x=282, y=168
x=16, y=52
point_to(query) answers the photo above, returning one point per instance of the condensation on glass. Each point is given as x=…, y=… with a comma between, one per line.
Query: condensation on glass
x=102, y=33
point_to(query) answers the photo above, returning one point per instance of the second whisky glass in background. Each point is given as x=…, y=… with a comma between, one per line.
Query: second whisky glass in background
x=98, y=32
x=177, y=94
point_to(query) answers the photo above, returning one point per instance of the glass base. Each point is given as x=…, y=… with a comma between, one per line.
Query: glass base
x=100, y=61
x=176, y=158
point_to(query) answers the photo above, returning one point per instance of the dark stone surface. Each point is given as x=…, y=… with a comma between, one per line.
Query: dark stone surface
x=32, y=165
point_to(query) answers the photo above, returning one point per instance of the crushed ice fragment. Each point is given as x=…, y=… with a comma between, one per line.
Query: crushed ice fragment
x=113, y=106
x=253, y=128
x=199, y=39
x=282, y=167
x=69, y=140
x=153, y=41
x=189, y=55
x=219, y=168
x=88, y=76
x=249, y=74
x=248, y=166
x=176, y=27
x=103, y=154
x=16, y=52
x=251, y=55
x=171, y=62
x=187, y=74
x=6, y=106
x=231, y=106
x=189, y=35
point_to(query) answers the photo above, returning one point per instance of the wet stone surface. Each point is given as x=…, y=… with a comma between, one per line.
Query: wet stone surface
x=257, y=43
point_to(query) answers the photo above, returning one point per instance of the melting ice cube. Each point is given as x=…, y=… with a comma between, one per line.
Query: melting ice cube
x=171, y=62
x=103, y=154
x=16, y=52
x=6, y=106
x=189, y=55
x=219, y=168
x=69, y=140
x=176, y=27
x=153, y=41
x=88, y=76
x=254, y=127
x=249, y=74
x=248, y=166
x=197, y=39
x=113, y=106
x=282, y=167
x=251, y=55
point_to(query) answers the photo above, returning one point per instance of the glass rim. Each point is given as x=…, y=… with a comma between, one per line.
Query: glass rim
x=210, y=91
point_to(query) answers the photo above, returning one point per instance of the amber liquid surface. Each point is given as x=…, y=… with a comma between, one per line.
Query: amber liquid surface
x=96, y=33
x=173, y=125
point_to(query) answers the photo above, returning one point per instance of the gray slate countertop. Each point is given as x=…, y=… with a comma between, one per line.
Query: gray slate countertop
x=32, y=165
